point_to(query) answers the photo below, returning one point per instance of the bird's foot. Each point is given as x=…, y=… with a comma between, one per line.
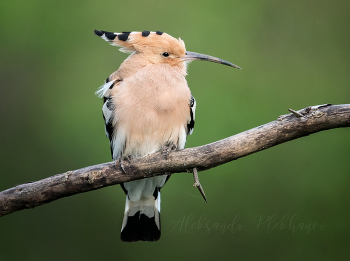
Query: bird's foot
x=122, y=160
x=166, y=148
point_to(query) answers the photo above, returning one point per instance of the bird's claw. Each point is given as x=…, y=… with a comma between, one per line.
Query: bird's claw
x=167, y=148
x=122, y=166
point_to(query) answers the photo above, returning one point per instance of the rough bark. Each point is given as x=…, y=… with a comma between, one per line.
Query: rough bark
x=285, y=128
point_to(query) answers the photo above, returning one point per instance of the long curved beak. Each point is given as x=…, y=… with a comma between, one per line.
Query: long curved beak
x=190, y=56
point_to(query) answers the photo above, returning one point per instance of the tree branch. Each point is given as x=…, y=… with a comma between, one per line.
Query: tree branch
x=285, y=128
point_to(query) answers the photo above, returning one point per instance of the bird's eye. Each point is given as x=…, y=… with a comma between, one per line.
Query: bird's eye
x=165, y=54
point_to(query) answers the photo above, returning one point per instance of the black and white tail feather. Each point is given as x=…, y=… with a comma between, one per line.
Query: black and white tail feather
x=142, y=218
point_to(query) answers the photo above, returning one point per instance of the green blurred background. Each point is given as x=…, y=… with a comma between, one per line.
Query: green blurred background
x=293, y=53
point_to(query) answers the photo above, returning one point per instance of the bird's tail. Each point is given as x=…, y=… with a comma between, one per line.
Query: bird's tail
x=141, y=220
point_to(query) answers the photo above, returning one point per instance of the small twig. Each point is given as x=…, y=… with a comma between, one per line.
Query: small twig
x=197, y=184
x=296, y=114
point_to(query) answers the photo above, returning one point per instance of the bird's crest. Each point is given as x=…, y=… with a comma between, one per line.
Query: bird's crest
x=156, y=42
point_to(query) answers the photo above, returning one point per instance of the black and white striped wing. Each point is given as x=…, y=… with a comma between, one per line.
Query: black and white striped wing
x=108, y=109
x=190, y=123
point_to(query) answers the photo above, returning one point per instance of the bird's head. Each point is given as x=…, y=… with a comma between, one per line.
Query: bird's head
x=157, y=47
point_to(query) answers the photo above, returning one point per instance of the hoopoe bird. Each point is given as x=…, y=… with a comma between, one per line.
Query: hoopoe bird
x=147, y=107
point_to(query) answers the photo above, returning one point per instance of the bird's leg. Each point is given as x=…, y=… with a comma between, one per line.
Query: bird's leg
x=166, y=148
x=197, y=184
